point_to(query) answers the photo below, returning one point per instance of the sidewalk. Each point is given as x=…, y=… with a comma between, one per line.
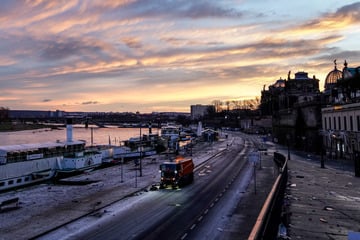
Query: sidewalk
x=323, y=203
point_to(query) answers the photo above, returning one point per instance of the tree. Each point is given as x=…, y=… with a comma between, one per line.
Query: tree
x=228, y=105
x=4, y=114
x=218, y=105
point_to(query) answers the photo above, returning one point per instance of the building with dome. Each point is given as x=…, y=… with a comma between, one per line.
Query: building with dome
x=341, y=115
x=330, y=86
x=332, y=78
x=310, y=120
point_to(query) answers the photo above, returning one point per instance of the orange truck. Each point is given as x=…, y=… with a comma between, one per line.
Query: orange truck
x=177, y=173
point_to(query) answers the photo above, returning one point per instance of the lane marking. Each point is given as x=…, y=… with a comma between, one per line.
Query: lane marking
x=184, y=236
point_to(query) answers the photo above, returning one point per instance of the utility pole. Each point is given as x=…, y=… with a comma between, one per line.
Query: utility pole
x=140, y=150
x=288, y=145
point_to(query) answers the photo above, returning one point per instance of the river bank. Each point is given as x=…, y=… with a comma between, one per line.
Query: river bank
x=11, y=127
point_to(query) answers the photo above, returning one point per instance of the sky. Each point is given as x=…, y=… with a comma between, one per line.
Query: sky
x=165, y=55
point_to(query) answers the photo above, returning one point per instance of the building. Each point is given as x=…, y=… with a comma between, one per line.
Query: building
x=341, y=117
x=294, y=105
x=35, y=114
x=198, y=111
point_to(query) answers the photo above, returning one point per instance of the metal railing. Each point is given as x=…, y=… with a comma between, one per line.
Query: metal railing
x=266, y=225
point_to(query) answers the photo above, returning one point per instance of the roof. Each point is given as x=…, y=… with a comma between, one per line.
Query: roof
x=333, y=77
x=30, y=146
x=35, y=146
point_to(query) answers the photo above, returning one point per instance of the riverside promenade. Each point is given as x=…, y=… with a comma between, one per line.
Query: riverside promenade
x=45, y=207
x=322, y=203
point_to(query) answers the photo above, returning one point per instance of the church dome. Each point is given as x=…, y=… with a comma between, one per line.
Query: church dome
x=332, y=77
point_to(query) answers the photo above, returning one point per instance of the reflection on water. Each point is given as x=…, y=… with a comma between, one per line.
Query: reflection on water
x=92, y=135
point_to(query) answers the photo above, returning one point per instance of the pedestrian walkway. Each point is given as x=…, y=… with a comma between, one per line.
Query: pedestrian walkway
x=322, y=203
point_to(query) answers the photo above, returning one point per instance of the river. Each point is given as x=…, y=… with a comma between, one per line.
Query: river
x=92, y=135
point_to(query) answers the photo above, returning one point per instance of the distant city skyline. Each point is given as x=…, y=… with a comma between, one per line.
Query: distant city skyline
x=164, y=56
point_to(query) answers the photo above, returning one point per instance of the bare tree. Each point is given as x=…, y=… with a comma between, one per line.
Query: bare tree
x=227, y=103
x=218, y=105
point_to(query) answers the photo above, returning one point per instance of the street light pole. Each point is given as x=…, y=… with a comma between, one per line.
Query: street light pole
x=140, y=152
x=288, y=145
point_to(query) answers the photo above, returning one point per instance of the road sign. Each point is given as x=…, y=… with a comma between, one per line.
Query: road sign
x=254, y=157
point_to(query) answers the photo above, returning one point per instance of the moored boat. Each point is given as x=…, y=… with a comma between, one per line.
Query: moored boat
x=137, y=147
x=171, y=136
x=26, y=164
x=77, y=158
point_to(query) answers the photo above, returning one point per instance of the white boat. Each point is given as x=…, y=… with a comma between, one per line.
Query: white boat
x=171, y=135
x=171, y=132
x=107, y=151
x=136, y=147
x=25, y=164
x=124, y=152
x=77, y=158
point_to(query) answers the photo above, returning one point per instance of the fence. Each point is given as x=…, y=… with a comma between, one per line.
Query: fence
x=267, y=223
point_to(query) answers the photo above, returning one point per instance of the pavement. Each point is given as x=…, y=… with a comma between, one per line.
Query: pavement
x=321, y=203
x=247, y=210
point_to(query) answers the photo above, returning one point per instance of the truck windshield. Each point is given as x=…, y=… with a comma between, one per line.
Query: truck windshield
x=168, y=170
x=168, y=167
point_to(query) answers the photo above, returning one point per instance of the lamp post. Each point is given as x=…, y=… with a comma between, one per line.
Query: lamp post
x=288, y=144
x=140, y=150
x=122, y=169
x=322, y=163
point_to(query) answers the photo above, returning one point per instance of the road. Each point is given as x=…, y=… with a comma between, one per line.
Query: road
x=193, y=212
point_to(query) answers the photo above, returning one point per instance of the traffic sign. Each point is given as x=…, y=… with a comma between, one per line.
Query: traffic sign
x=254, y=157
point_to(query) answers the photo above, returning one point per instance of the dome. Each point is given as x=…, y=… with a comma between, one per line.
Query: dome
x=332, y=77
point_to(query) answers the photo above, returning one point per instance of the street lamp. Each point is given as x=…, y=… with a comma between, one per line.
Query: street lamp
x=140, y=150
x=322, y=163
x=288, y=145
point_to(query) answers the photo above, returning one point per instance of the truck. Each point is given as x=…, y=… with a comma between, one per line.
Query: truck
x=177, y=173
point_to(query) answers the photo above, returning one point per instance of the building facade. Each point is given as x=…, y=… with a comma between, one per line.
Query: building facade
x=295, y=107
x=341, y=117
x=198, y=111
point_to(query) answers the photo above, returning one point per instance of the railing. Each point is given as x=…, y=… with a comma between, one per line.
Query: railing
x=266, y=225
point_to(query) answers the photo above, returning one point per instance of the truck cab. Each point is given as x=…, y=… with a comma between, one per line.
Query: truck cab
x=177, y=173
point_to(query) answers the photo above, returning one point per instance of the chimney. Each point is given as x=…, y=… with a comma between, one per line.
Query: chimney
x=69, y=129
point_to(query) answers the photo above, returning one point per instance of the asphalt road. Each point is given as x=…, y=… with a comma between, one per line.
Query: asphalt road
x=173, y=214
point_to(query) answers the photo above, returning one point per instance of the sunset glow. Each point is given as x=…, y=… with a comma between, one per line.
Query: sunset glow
x=163, y=55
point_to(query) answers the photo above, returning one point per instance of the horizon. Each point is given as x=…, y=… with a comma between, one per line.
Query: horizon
x=164, y=56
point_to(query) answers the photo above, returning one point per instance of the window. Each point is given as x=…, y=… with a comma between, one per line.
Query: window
x=351, y=124
x=334, y=123
x=325, y=124
x=345, y=125
x=358, y=122
x=329, y=123
x=339, y=122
